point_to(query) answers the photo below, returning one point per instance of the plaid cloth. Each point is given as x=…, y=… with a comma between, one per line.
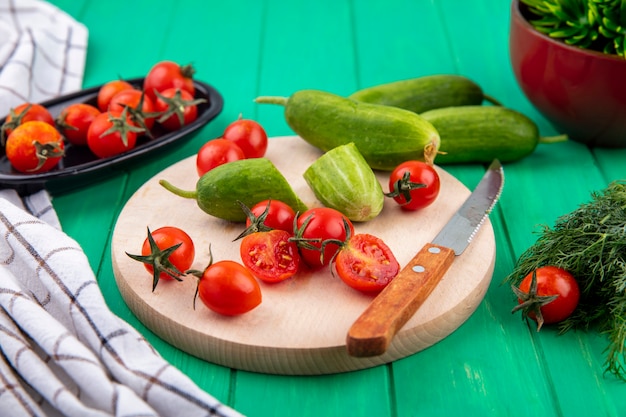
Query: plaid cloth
x=42, y=53
x=62, y=351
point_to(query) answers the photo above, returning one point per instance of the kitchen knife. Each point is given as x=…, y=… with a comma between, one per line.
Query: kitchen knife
x=372, y=332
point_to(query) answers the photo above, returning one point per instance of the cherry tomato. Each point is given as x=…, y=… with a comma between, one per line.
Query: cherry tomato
x=249, y=135
x=414, y=185
x=217, y=152
x=166, y=253
x=112, y=133
x=315, y=227
x=551, y=298
x=74, y=121
x=178, y=108
x=279, y=215
x=270, y=256
x=143, y=116
x=229, y=288
x=25, y=112
x=108, y=90
x=167, y=74
x=34, y=147
x=366, y=263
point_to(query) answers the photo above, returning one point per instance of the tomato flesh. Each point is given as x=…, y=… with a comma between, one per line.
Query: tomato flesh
x=270, y=256
x=366, y=263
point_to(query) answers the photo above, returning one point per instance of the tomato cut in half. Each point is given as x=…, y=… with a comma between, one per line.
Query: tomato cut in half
x=366, y=263
x=228, y=288
x=270, y=256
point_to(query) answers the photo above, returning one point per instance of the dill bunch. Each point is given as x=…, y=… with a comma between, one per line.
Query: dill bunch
x=598, y=25
x=590, y=243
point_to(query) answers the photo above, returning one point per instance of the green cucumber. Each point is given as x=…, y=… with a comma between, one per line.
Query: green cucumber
x=484, y=133
x=386, y=136
x=425, y=93
x=219, y=191
x=342, y=179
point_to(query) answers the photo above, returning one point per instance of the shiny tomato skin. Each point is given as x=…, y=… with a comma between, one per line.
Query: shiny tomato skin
x=420, y=173
x=325, y=223
x=270, y=256
x=36, y=112
x=552, y=280
x=249, y=135
x=165, y=237
x=110, y=89
x=366, y=263
x=131, y=98
x=167, y=74
x=190, y=112
x=74, y=121
x=217, y=152
x=104, y=146
x=229, y=288
x=21, y=151
x=280, y=215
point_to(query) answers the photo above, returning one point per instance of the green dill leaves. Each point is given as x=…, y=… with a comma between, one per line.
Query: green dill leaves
x=590, y=243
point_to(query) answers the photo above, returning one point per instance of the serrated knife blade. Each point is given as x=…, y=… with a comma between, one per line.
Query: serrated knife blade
x=372, y=332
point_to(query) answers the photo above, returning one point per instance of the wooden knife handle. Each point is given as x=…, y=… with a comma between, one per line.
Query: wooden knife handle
x=372, y=332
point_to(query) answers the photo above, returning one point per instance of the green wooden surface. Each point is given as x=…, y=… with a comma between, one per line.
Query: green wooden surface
x=494, y=364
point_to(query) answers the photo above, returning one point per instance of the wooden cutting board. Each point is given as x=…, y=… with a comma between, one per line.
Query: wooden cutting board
x=301, y=325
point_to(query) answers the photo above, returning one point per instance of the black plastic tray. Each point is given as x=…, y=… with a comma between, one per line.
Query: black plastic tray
x=79, y=163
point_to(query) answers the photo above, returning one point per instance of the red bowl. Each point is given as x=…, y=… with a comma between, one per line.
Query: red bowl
x=582, y=93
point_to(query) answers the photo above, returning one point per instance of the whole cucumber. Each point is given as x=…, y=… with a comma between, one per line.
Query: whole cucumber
x=425, y=93
x=484, y=133
x=249, y=181
x=386, y=136
x=342, y=179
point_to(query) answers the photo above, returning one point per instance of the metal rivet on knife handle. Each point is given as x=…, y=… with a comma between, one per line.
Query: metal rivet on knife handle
x=372, y=332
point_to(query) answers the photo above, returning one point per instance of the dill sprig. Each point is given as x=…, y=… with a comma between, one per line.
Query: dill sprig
x=590, y=243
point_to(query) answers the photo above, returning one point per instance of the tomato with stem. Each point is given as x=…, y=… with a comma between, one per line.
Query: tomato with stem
x=140, y=107
x=177, y=107
x=110, y=89
x=74, y=121
x=167, y=253
x=320, y=233
x=34, y=147
x=112, y=133
x=227, y=288
x=25, y=112
x=414, y=185
x=217, y=152
x=249, y=135
x=168, y=74
x=547, y=295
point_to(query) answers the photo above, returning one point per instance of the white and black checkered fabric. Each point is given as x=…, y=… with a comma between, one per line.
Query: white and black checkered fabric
x=42, y=53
